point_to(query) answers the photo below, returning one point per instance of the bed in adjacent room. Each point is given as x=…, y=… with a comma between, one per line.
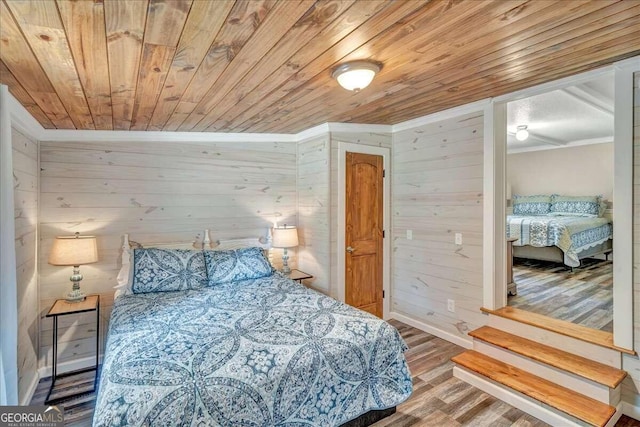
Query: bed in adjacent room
x=250, y=347
x=559, y=228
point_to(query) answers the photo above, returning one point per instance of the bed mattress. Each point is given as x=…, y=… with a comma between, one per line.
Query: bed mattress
x=571, y=234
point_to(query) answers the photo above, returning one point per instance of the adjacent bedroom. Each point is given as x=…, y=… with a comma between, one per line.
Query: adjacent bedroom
x=560, y=203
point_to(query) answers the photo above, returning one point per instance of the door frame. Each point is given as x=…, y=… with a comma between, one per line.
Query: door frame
x=343, y=147
x=494, y=264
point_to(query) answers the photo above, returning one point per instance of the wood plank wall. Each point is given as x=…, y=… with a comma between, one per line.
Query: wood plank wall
x=318, y=203
x=631, y=364
x=157, y=192
x=25, y=172
x=313, y=210
x=436, y=192
x=361, y=138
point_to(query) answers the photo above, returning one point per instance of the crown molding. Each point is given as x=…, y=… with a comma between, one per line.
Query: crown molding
x=329, y=127
x=359, y=127
x=313, y=132
x=158, y=136
x=473, y=107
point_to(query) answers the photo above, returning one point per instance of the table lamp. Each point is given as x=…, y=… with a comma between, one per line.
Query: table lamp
x=285, y=237
x=74, y=251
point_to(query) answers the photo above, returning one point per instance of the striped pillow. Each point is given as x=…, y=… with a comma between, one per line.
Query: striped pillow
x=531, y=205
x=586, y=206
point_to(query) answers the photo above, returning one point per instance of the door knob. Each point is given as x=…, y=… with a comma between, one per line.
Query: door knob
x=350, y=249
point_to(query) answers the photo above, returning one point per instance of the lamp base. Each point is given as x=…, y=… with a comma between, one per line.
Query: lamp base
x=75, y=296
x=285, y=265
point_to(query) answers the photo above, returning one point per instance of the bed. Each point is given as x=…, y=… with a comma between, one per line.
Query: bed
x=566, y=239
x=254, y=352
x=559, y=228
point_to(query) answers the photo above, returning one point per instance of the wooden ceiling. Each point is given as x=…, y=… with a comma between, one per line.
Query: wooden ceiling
x=265, y=65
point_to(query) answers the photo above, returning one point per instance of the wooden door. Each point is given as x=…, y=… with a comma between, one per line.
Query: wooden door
x=363, y=232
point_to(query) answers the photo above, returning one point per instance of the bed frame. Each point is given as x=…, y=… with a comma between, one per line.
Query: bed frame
x=555, y=254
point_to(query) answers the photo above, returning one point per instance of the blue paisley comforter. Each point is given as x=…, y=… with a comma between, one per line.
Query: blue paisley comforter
x=259, y=352
x=572, y=234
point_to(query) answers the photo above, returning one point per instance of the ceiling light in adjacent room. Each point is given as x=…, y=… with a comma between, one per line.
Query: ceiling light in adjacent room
x=355, y=75
x=522, y=133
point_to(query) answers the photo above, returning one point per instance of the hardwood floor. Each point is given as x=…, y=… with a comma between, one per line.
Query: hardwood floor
x=438, y=398
x=584, y=296
x=78, y=411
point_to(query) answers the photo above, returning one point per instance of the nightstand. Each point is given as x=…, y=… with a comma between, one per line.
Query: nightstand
x=63, y=308
x=299, y=276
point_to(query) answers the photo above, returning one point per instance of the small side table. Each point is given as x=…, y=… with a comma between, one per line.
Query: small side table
x=62, y=308
x=299, y=276
x=512, y=289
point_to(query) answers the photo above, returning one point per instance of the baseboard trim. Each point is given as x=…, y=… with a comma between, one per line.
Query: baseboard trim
x=466, y=343
x=631, y=410
x=71, y=365
x=26, y=399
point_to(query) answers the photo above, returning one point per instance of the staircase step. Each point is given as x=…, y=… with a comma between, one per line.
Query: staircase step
x=589, y=369
x=577, y=405
x=562, y=327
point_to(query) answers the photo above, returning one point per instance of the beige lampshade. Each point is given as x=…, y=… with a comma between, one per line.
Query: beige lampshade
x=74, y=250
x=285, y=237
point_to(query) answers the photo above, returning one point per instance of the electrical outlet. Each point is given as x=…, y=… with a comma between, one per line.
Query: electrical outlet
x=409, y=234
x=451, y=305
x=458, y=238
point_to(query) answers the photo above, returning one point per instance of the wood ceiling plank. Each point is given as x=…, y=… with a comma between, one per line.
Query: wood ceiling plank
x=431, y=72
x=393, y=16
x=264, y=65
x=361, y=13
x=463, y=50
x=303, y=31
x=517, y=47
x=203, y=24
x=165, y=21
x=396, y=43
x=85, y=27
x=241, y=23
x=21, y=94
x=399, y=38
x=579, y=59
x=154, y=67
x=531, y=52
x=278, y=22
x=125, y=21
x=43, y=29
x=24, y=66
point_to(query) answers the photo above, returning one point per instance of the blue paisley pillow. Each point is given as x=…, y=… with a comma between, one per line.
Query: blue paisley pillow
x=234, y=265
x=587, y=206
x=165, y=270
x=531, y=205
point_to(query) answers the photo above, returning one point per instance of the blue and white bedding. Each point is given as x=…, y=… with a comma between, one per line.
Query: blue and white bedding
x=572, y=234
x=260, y=352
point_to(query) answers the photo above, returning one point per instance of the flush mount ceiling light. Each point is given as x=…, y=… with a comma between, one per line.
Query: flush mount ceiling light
x=522, y=133
x=355, y=75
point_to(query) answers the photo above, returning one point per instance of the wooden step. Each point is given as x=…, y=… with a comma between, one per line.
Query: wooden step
x=594, y=371
x=562, y=327
x=577, y=405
